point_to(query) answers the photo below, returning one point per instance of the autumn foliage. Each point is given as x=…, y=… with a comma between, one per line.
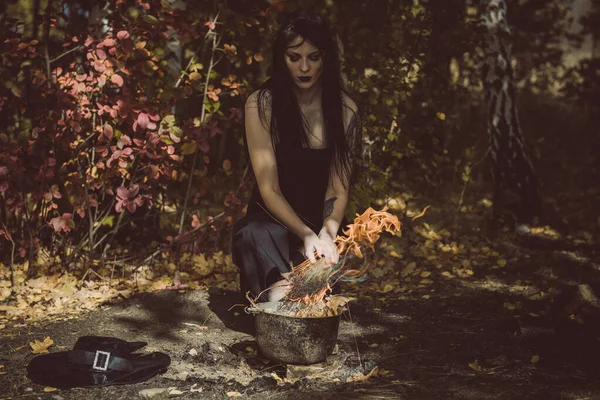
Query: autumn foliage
x=121, y=126
x=101, y=136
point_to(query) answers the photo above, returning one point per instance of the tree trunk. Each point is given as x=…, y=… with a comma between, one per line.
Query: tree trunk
x=511, y=167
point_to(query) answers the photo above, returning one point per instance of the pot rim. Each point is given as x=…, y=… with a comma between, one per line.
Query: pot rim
x=258, y=309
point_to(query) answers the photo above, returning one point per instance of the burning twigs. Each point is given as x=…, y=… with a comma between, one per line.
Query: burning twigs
x=311, y=282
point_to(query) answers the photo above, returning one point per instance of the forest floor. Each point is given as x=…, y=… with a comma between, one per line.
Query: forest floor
x=448, y=312
x=451, y=309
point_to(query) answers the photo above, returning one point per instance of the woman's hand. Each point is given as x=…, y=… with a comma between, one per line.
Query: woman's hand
x=330, y=250
x=324, y=247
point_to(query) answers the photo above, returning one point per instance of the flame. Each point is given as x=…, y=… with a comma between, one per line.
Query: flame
x=310, y=282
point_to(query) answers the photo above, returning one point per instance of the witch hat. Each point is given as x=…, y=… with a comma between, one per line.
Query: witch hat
x=96, y=361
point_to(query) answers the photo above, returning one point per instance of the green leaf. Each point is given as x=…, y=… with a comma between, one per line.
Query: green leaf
x=150, y=19
x=188, y=148
x=195, y=67
x=166, y=139
x=169, y=120
x=177, y=131
x=108, y=221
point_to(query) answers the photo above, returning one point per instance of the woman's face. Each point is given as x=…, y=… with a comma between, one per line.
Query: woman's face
x=304, y=61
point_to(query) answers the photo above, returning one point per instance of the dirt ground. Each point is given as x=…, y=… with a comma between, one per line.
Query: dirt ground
x=520, y=331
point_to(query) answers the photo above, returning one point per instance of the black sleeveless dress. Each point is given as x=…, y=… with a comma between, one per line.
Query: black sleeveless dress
x=261, y=246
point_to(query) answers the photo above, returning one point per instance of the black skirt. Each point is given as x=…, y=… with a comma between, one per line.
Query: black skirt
x=263, y=248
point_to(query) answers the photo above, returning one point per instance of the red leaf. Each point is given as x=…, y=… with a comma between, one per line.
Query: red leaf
x=101, y=54
x=61, y=223
x=131, y=206
x=108, y=42
x=210, y=24
x=88, y=41
x=123, y=35
x=174, y=138
x=55, y=192
x=108, y=131
x=126, y=140
x=116, y=79
x=122, y=193
x=143, y=120
x=135, y=189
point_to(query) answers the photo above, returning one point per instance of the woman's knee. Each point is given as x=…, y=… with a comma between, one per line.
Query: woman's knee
x=256, y=232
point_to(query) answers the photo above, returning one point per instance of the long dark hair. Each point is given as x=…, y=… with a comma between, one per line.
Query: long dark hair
x=287, y=125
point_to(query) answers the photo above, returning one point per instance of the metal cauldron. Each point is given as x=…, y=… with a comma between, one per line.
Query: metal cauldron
x=293, y=340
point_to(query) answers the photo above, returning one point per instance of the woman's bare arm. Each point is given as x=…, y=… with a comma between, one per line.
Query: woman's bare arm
x=336, y=197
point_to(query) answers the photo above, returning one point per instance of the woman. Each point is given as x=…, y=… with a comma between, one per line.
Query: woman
x=300, y=129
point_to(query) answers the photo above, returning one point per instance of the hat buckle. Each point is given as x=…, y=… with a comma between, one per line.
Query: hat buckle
x=103, y=357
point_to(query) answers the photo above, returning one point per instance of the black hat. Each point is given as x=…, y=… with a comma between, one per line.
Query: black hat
x=96, y=361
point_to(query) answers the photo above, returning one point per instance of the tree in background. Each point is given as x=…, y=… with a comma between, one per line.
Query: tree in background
x=585, y=77
x=511, y=166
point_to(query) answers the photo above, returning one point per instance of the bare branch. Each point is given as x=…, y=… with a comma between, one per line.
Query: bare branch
x=184, y=72
x=65, y=53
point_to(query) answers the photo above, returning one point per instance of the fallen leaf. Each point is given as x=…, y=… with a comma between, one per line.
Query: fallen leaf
x=409, y=269
x=49, y=389
x=194, y=390
x=373, y=345
x=535, y=359
x=394, y=254
x=234, y=394
x=425, y=296
x=359, y=377
x=425, y=274
x=387, y=288
x=501, y=262
x=475, y=366
x=41, y=347
x=509, y=306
